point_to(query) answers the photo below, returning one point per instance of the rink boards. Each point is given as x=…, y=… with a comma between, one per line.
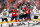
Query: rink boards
x=9, y=18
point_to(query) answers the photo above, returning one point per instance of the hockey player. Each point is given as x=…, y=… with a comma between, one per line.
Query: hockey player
x=4, y=16
x=35, y=10
x=14, y=15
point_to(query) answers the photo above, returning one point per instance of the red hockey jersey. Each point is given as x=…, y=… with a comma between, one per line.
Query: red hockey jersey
x=14, y=14
x=27, y=11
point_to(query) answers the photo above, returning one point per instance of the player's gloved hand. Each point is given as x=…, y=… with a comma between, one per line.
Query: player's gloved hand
x=24, y=13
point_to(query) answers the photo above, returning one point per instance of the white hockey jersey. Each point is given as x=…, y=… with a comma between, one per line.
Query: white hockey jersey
x=4, y=14
x=35, y=10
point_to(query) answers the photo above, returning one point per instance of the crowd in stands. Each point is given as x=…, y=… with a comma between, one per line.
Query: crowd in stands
x=35, y=3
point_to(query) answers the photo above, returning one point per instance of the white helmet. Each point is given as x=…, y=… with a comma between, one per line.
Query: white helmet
x=17, y=9
x=4, y=9
x=34, y=7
